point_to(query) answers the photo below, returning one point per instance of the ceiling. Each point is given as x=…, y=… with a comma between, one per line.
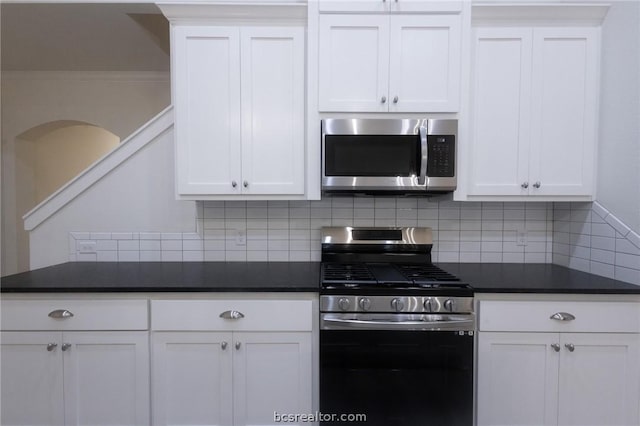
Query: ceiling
x=83, y=37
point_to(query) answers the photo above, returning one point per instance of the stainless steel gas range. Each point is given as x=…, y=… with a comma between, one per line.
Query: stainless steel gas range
x=396, y=331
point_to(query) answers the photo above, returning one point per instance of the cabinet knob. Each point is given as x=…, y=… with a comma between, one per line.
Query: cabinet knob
x=234, y=183
x=395, y=98
x=383, y=100
x=570, y=347
x=536, y=185
x=556, y=347
x=238, y=345
x=51, y=347
x=60, y=314
x=245, y=184
x=562, y=316
x=66, y=347
x=223, y=345
x=525, y=185
x=231, y=315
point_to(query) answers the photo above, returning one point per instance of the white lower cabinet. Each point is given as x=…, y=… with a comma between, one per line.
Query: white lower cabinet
x=75, y=378
x=558, y=378
x=235, y=371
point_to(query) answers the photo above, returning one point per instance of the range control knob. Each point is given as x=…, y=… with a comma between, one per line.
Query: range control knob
x=397, y=304
x=343, y=304
x=429, y=305
x=448, y=305
x=365, y=303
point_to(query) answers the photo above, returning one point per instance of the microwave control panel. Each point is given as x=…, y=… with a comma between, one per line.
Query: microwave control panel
x=442, y=155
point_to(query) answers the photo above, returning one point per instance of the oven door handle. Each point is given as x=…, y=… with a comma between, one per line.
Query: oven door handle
x=451, y=324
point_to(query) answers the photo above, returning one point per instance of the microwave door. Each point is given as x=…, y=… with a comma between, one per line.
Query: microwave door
x=422, y=178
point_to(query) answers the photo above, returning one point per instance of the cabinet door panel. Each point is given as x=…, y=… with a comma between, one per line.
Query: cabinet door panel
x=32, y=382
x=192, y=378
x=272, y=80
x=354, y=63
x=500, y=111
x=517, y=379
x=425, y=63
x=272, y=373
x=106, y=378
x=564, y=110
x=207, y=97
x=599, y=380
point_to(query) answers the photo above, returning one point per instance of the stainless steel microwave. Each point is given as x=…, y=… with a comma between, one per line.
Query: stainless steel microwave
x=401, y=156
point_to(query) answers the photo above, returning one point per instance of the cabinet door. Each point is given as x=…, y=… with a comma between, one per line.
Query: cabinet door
x=517, y=379
x=32, y=382
x=354, y=63
x=206, y=92
x=425, y=63
x=272, y=374
x=191, y=378
x=599, y=379
x=565, y=73
x=272, y=80
x=501, y=112
x=106, y=378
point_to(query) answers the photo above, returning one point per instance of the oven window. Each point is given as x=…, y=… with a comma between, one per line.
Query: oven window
x=372, y=155
x=402, y=378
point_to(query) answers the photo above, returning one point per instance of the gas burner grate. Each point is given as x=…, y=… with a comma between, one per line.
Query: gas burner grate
x=349, y=272
x=427, y=274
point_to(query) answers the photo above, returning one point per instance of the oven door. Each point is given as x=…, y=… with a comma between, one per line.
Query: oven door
x=414, y=377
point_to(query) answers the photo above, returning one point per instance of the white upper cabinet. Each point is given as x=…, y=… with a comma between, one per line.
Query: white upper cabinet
x=390, y=62
x=534, y=112
x=239, y=97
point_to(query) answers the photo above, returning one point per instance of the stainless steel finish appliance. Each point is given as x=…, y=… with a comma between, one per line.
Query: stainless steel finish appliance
x=402, y=156
x=396, y=331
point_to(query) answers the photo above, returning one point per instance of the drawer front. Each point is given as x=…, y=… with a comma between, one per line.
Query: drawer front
x=71, y=315
x=588, y=317
x=253, y=315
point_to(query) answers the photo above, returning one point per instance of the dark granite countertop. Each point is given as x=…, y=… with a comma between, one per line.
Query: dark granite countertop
x=167, y=277
x=95, y=277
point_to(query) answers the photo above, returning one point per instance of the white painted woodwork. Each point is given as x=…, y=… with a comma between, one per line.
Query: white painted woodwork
x=239, y=95
x=106, y=378
x=204, y=315
x=517, y=379
x=369, y=61
x=101, y=378
x=271, y=373
x=32, y=379
x=206, y=95
x=499, y=152
x=92, y=315
x=354, y=63
x=600, y=380
x=534, y=316
x=424, y=65
x=564, y=98
x=192, y=378
x=272, y=82
x=399, y=6
x=534, y=112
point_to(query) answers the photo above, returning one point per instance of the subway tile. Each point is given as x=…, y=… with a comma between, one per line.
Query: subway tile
x=475, y=215
x=617, y=224
x=278, y=224
x=100, y=235
x=488, y=257
x=384, y=222
x=448, y=225
x=603, y=256
x=256, y=224
x=407, y=214
x=446, y=235
x=599, y=210
x=449, y=214
x=540, y=215
x=215, y=234
x=603, y=243
x=102, y=245
x=278, y=213
x=255, y=245
x=562, y=237
x=257, y=213
x=603, y=230
x=627, y=275
x=470, y=236
x=278, y=245
x=235, y=213
x=295, y=245
x=581, y=240
x=257, y=256
x=385, y=213
x=579, y=264
x=449, y=257
x=562, y=260
x=602, y=269
x=278, y=256
x=236, y=256
x=427, y=214
x=470, y=246
x=236, y=204
x=470, y=257
x=406, y=203
x=213, y=224
x=470, y=225
x=406, y=222
x=106, y=256
x=150, y=245
x=563, y=249
x=364, y=213
x=448, y=246
x=370, y=222
x=299, y=223
x=580, y=252
x=215, y=256
x=364, y=202
x=296, y=204
x=150, y=235
x=628, y=260
x=122, y=235
x=171, y=245
x=81, y=235
x=509, y=257
x=385, y=203
x=193, y=256
x=128, y=245
x=514, y=214
x=300, y=213
x=537, y=258
x=491, y=246
x=623, y=245
x=634, y=239
x=86, y=257
x=300, y=234
x=171, y=236
x=342, y=202
x=492, y=215
x=192, y=245
x=536, y=225
x=341, y=213
x=128, y=256
x=216, y=245
x=300, y=256
x=150, y=256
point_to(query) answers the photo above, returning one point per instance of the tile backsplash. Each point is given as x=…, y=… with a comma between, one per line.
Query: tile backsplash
x=290, y=231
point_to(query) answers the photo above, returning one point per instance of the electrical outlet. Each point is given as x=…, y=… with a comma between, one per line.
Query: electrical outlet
x=521, y=238
x=86, y=246
x=241, y=237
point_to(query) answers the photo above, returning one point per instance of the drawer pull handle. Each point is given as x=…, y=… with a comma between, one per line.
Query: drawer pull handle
x=51, y=347
x=232, y=315
x=562, y=316
x=570, y=346
x=556, y=347
x=66, y=346
x=61, y=314
x=223, y=345
x=238, y=344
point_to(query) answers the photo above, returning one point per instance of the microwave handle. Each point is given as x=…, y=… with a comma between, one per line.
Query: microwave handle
x=422, y=178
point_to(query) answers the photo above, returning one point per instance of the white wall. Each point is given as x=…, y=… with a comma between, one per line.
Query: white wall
x=116, y=101
x=136, y=196
x=619, y=142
